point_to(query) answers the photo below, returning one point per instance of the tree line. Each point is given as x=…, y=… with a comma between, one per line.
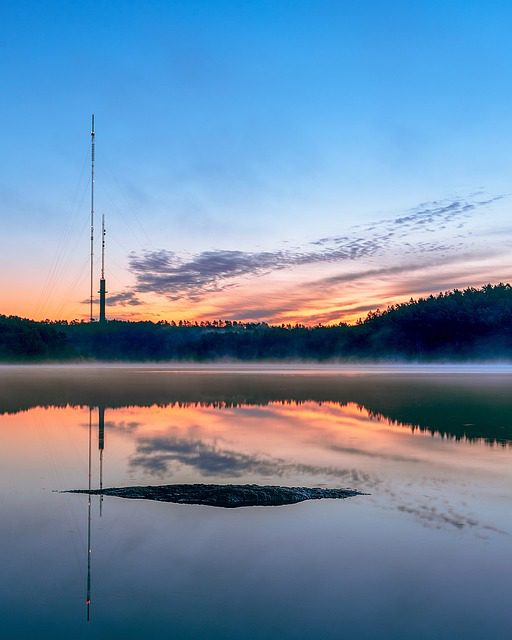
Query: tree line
x=469, y=324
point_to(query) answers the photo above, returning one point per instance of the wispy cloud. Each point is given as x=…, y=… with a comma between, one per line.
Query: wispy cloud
x=166, y=273
x=124, y=299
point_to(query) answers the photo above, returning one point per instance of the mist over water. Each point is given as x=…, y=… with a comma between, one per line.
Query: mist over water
x=431, y=445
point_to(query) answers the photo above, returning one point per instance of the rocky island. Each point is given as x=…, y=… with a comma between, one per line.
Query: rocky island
x=223, y=495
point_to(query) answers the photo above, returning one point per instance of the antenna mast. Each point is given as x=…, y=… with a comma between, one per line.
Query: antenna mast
x=103, y=287
x=103, y=232
x=92, y=216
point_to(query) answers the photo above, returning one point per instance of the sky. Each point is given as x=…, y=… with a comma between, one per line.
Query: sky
x=280, y=161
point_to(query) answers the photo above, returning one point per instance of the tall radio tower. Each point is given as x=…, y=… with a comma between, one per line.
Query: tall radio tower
x=92, y=217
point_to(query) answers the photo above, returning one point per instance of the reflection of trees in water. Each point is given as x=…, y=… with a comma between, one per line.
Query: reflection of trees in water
x=465, y=432
x=489, y=423
x=469, y=406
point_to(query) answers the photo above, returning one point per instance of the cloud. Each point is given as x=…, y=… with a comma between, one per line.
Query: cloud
x=406, y=268
x=166, y=273
x=124, y=299
x=332, y=298
x=434, y=212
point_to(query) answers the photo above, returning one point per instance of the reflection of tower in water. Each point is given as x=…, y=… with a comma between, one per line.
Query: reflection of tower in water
x=101, y=447
x=88, y=596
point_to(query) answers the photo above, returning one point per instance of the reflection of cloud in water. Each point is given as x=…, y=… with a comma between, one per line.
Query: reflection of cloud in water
x=158, y=455
x=433, y=517
x=432, y=512
x=373, y=454
x=375, y=469
x=123, y=425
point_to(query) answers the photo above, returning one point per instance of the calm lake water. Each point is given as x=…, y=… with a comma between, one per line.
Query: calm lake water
x=427, y=554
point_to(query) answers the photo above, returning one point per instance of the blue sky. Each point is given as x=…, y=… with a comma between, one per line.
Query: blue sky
x=229, y=130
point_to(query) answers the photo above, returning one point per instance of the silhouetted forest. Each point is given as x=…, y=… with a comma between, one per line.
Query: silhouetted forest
x=472, y=324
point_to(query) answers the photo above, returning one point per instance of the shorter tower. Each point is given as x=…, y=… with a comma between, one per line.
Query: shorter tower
x=103, y=284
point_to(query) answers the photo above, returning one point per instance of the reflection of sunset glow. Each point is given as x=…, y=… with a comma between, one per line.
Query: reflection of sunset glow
x=308, y=443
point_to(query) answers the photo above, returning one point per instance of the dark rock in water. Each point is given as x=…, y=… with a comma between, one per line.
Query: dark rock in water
x=224, y=495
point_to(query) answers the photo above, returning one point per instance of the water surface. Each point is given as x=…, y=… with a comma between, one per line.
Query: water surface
x=426, y=555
